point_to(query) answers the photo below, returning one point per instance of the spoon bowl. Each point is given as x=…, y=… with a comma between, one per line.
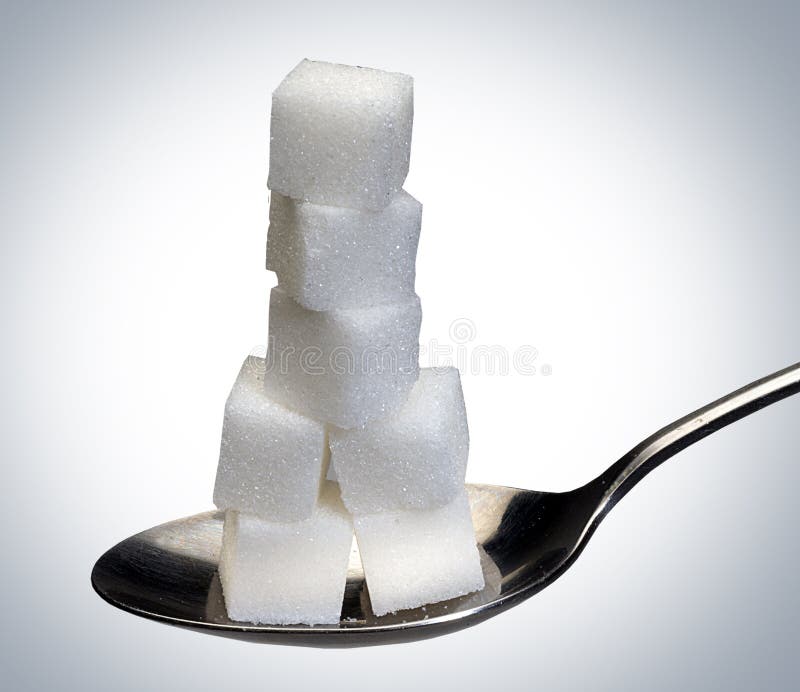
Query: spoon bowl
x=526, y=540
x=169, y=573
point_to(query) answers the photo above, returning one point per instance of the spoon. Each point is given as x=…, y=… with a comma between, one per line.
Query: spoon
x=526, y=539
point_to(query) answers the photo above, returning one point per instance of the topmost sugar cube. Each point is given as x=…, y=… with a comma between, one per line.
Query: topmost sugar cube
x=341, y=135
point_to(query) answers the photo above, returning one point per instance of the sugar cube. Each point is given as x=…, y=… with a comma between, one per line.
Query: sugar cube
x=416, y=557
x=287, y=573
x=341, y=135
x=346, y=366
x=334, y=257
x=272, y=460
x=414, y=459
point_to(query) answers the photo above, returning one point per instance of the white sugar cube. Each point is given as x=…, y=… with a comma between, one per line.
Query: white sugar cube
x=287, y=573
x=334, y=257
x=415, y=458
x=272, y=459
x=341, y=135
x=419, y=556
x=344, y=367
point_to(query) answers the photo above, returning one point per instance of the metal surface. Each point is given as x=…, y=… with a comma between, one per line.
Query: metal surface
x=527, y=540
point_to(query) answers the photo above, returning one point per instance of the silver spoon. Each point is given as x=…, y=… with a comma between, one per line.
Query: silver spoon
x=527, y=540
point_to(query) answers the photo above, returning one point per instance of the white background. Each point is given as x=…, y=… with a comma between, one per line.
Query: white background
x=615, y=187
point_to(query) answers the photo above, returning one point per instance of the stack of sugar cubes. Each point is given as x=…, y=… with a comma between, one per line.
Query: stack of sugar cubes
x=338, y=430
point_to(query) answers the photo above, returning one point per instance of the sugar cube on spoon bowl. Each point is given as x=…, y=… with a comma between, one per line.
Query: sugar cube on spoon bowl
x=341, y=380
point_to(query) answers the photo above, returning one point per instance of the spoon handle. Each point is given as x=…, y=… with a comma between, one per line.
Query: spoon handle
x=656, y=449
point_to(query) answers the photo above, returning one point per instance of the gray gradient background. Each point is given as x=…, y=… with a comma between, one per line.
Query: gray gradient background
x=616, y=185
